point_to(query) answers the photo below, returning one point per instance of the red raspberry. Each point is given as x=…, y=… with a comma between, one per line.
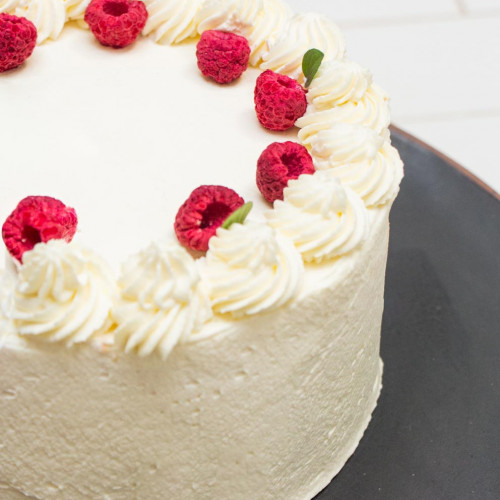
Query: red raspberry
x=279, y=100
x=116, y=23
x=280, y=162
x=202, y=213
x=17, y=41
x=222, y=56
x=37, y=219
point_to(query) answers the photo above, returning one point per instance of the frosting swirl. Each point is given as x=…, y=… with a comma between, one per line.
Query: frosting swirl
x=8, y=5
x=48, y=16
x=63, y=293
x=338, y=82
x=75, y=9
x=272, y=21
x=371, y=111
x=304, y=32
x=323, y=219
x=343, y=143
x=162, y=300
x=377, y=179
x=171, y=21
x=250, y=269
x=237, y=16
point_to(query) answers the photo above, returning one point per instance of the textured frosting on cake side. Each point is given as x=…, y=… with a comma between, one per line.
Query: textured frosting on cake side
x=208, y=377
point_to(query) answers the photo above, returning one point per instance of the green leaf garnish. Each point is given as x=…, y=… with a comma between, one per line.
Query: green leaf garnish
x=238, y=216
x=311, y=63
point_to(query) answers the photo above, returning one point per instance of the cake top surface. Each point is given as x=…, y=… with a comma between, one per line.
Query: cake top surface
x=124, y=136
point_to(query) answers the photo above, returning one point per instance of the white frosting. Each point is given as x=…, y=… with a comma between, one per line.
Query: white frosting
x=249, y=269
x=162, y=300
x=371, y=111
x=323, y=219
x=63, y=293
x=304, y=32
x=237, y=16
x=75, y=9
x=171, y=21
x=48, y=16
x=8, y=5
x=376, y=179
x=338, y=82
x=272, y=21
x=270, y=410
x=343, y=143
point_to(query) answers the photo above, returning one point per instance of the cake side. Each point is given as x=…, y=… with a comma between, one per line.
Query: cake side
x=225, y=417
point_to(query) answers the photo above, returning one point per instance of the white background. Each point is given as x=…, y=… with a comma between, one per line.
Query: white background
x=440, y=62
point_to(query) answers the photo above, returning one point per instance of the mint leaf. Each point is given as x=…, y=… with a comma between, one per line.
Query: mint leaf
x=238, y=216
x=311, y=63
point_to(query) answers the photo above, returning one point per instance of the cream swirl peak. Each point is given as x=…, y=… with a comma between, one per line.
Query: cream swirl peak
x=63, y=293
x=75, y=9
x=323, y=219
x=237, y=16
x=250, y=269
x=162, y=300
x=304, y=31
x=49, y=17
x=338, y=82
x=8, y=5
x=171, y=21
x=271, y=22
x=371, y=111
x=343, y=143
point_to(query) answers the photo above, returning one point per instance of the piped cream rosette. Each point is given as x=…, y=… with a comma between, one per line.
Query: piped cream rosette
x=162, y=300
x=251, y=269
x=343, y=92
x=62, y=293
x=171, y=21
x=361, y=159
x=303, y=32
x=323, y=219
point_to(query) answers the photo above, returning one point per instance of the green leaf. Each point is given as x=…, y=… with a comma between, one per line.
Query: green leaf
x=311, y=63
x=238, y=216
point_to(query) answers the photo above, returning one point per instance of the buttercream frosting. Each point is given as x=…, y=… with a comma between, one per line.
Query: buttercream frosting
x=304, y=31
x=49, y=17
x=171, y=21
x=162, y=300
x=237, y=16
x=249, y=269
x=63, y=293
x=321, y=217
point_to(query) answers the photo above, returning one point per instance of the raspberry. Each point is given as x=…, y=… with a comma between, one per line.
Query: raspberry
x=279, y=101
x=17, y=41
x=280, y=162
x=116, y=23
x=222, y=56
x=37, y=219
x=202, y=213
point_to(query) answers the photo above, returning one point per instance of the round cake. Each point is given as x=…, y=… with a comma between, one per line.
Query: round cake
x=136, y=362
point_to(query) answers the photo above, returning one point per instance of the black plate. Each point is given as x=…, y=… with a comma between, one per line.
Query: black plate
x=435, y=434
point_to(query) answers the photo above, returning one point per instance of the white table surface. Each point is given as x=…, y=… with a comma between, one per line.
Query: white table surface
x=440, y=62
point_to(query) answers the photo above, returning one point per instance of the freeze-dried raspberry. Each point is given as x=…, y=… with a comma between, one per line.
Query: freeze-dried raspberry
x=203, y=213
x=17, y=41
x=280, y=162
x=279, y=100
x=37, y=219
x=116, y=23
x=222, y=56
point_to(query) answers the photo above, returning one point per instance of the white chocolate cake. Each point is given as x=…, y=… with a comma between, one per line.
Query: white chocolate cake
x=135, y=369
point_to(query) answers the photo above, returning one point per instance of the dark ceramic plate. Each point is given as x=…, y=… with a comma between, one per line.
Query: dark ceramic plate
x=435, y=434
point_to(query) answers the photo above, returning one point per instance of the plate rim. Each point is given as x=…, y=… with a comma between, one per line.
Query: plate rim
x=452, y=163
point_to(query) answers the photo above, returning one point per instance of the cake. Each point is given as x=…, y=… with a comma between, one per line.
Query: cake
x=134, y=368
